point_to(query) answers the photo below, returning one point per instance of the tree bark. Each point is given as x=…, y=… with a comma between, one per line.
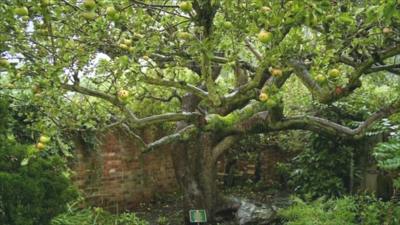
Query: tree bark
x=195, y=169
x=196, y=175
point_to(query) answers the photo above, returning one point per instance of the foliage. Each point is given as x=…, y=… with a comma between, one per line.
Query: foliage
x=34, y=193
x=363, y=210
x=162, y=220
x=387, y=155
x=320, y=169
x=96, y=216
x=204, y=65
x=320, y=212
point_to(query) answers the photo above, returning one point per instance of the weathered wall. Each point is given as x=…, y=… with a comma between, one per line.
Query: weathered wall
x=232, y=171
x=268, y=166
x=117, y=177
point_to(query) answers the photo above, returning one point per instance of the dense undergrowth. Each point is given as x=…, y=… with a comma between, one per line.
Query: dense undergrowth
x=96, y=216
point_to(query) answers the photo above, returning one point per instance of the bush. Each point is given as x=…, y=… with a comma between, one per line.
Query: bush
x=320, y=169
x=320, y=212
x=98, y=216
x=34, y=193
x=31, y=194
x=364, y=210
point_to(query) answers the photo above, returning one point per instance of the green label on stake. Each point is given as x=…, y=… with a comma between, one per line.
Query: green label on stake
x=198, y=216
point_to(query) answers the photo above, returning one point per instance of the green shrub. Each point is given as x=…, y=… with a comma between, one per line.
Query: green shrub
x=96, y=216
x=162, y=220
x=387, y=155
x=320, y=212
x=320, y=169
x=34, y=193
x=363, y=210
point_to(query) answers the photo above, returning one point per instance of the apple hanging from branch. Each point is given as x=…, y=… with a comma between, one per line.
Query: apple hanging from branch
x=263, y=97
x=123, y=95
x=186, y=6
x=264, y=36
x=21, y=11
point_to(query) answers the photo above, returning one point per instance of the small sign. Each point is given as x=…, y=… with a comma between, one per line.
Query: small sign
x=198, y=216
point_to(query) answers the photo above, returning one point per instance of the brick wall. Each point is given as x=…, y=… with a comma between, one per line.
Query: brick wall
x=264, y=168
x=117, y=177
x=268, y=165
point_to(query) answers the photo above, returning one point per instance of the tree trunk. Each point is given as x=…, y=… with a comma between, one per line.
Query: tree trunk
x=196, y=175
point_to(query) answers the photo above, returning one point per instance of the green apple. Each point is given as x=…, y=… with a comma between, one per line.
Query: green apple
x=263, y=97
x=123, y=94
x=320, y=78
x=186, y=6
x=123, y=46
x=276, y=72
x=112, y=12
x=334, y=73
x=89, y=15
x=264, y=36
x=21, y=11
x=227, y=25
x=127, y=42
x=183, y=35
x=89, y=4
x=44, y=139
x=266, y=9
x=46, y=2
x=138, y=35
x=40, y=146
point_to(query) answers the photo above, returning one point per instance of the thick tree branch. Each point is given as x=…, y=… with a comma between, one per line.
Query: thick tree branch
x=167, y=117
x=223, y=146
x=243, y=64
x=143, y=144
x=182, y=135
x=258, y=121
x=321, y=125
x=366, y=65
x=181, y=85
x=375, y=69
x=306, y=78
x=94, y=93
x=206, y=72
x=347, y=60
x=133, y=119
x=253, y=50
x=237, y=98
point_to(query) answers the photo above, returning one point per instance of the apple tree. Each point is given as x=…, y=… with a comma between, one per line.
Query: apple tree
x=213, y=69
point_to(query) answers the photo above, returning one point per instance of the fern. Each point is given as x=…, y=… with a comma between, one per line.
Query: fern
x=388, y=154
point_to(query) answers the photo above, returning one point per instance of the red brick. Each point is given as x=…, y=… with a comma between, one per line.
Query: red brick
x=115, y=176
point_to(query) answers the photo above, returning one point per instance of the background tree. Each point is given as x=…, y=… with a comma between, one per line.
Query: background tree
x=218, y=69
x=34, y=187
